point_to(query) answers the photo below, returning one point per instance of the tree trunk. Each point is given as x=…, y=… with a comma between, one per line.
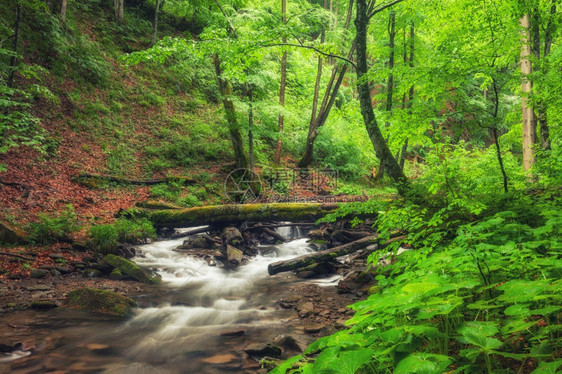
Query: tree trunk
x=390, y=81
x=251, y=128
x=316, y=257
x=63, y=6
x=15, y=43
x=155, y=22
x=327, y=101
x=118, y=6
x=363, y=87
x=541, y=105
x=237, y=213
x=282, y=89
x=528, y=116
x=225, y=89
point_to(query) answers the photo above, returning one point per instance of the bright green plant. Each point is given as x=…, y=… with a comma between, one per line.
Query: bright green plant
x=50, y=229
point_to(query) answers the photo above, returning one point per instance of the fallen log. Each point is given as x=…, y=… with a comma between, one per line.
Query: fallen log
x=94, y=180
x=236, y=213
x=17, y=256
x=328, y=254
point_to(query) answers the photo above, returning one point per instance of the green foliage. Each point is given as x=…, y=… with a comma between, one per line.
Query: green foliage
x=478, y=297
x=50, y=229
x=106, y=238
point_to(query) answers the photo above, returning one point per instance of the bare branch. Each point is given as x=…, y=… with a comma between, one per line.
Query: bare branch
x=313, y=48
x=383, y=7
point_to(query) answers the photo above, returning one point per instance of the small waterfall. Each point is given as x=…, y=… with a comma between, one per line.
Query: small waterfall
x=292, y=232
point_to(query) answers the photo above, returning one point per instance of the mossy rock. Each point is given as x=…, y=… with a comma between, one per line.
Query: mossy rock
x=131, y=269
x=116, y=275
x=100, y=301
x=10, y=234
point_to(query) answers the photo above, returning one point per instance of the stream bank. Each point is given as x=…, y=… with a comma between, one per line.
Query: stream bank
x=204, y=318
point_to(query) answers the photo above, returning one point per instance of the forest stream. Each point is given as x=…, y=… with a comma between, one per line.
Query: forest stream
x=199, y=320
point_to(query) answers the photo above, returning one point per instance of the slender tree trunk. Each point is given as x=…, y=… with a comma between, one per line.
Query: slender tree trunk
x=233, y=127
x=118, y=6
x=336, y=78
x=529, y=122
x=363, y=87
x=282, y=89
x=251, y=128
x=63, y=7
x=15, y=43
x=496, y=137
x=155, y=22
x=389, y=83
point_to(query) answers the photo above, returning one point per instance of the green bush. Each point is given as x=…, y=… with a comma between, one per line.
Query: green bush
x=106, y=238
x=50, y=229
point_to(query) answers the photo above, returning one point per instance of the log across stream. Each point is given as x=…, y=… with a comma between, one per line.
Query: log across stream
x=199, y=320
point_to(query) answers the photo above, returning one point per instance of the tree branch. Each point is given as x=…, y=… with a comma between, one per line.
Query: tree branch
x=383, y=7
x=313, y=48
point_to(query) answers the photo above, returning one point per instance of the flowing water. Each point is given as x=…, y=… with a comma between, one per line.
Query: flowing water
x=180, y=325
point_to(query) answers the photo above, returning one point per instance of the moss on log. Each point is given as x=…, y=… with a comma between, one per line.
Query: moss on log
x=234, y=213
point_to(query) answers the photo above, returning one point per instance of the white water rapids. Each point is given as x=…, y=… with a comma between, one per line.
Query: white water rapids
x=181, y=324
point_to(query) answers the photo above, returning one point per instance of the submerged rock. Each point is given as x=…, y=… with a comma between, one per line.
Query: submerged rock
x=262, y=350
x=131, y=269
x=100, y=301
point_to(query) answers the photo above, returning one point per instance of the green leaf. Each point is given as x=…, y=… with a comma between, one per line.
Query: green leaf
x=478, y=328
x=521, y=310
x=423, y=363
x=548, y=367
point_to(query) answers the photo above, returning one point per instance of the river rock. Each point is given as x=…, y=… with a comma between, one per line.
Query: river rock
x=319, y=234
x=287, y=342
x=100, y=301
x=233, y=256
x=10, y=234
x=233, y=333
x=131, y=269
x=220, y=359
x=39, y=273
x=56, y=256
x=98, y=348
x=312, y=329
x=260, y=350
x=305, y=309
x=43, y=305
x=92, y=273
x=232, y=236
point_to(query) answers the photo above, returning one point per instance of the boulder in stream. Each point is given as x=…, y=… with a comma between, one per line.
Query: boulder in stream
x=259, y=350
x=234, y=256
x=100, y=301
x=232, y=236
x=131, y=269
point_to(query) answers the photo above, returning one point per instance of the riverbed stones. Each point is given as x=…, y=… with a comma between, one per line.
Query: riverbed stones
x=305, y=309
x=43, y=304
x=131, y=269
x=220, y=359
x=312, y=329
x=100, y=301
x=39, y=273
x=232, y=236
x=287, y=342
x=234, y=256
x=258, y=350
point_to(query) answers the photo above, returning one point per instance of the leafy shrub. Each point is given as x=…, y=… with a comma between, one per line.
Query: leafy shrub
x=104, y=238
x=50, y=229
x=482, y=300
x=189, y=201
